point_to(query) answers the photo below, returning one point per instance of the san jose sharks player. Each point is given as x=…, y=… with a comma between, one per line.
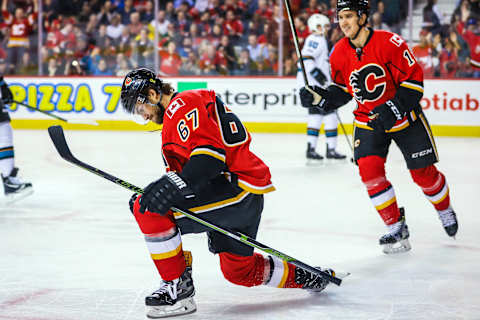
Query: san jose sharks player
x=315, y=59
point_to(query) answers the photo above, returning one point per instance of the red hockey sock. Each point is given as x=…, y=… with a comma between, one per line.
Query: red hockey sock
x=163, y=241
x=257, y=270
x=434, y=186
x=380, y=190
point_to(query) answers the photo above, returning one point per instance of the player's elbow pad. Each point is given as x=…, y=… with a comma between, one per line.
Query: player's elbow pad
x=337, y=97
x=200, y=169
x=408, y=99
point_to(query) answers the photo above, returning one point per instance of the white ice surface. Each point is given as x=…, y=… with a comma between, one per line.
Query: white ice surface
x=72, y=250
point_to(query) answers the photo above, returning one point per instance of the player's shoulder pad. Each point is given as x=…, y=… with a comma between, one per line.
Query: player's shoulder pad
x=391, y=39
x=340, y=46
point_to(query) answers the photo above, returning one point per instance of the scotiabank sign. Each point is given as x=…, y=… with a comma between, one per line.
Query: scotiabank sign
x=452, y=102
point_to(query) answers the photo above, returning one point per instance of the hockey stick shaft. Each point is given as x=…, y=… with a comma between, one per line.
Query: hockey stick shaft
x=91, y=122
x=344, y=131
x=58, y=138
x=316, y=96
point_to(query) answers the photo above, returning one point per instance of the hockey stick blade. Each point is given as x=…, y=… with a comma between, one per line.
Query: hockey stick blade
x=58, y=138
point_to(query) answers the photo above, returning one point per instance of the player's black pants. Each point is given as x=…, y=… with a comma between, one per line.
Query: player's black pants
x=223, y=203
x=415, y=141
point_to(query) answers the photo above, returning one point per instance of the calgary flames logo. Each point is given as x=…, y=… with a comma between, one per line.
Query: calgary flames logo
x=368, y=83
x=128, y=81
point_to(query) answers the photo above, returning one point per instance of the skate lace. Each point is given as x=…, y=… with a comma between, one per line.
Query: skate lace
x=168, y=287
x=447, y=217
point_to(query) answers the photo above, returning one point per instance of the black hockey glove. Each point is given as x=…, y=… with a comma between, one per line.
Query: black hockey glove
x=159, y=196
x=132, y=200
x=307, y=98
x=385, y=115
x=7, y=96
x=318, y=75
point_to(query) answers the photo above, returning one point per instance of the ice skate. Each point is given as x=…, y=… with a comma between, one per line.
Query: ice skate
x=14, y=188
x=173, y=298
x=310, y=281
x=312, y=156
x=396, y=240
x=449, y=221
x=332, y=154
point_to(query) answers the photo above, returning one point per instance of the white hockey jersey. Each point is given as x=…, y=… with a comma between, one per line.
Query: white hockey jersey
x=315, y=55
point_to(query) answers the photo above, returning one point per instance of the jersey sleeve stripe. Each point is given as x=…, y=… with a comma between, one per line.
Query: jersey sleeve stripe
x=209, y=152
x=412, y=85
x=255, y=189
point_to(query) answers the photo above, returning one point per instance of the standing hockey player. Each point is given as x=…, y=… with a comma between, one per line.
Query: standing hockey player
x=378, y=69
x=315, y=59
x=13, y=187
x=210, y=170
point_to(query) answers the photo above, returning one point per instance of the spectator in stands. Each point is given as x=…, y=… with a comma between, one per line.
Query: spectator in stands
x=377, y=23
x=313, y=7
x=20, y=27
x=106, y=13
x=121, y=67
x=170, y=61
x=115, y=28
x=207, y=60
x=245, y=65
x=257, y=51
x=186, y=48
x=448, y=59
x=143, y=50
x=135, y=25
x=101, y=69
x=190, y=65
x=232, y=26
x=391, y=14
x=163, y=22
x=289, y=67
x=424, y=54
x=53, y=67
x=126, y=12
x=220, y=61
x=229, y=52
x=147, y=12
x=432, y=19
x=101, y=39
x=216, y=35
x=469, y=30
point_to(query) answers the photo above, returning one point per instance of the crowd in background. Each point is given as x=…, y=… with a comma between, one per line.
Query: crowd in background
x=210, y=37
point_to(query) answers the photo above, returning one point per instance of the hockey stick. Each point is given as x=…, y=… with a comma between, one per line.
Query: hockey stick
x=58, y=138
x=316, y=96
x=90, y=122
x=345, y=134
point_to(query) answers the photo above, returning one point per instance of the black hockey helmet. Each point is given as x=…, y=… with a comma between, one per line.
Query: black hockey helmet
x=360, y=6
x=135, y=87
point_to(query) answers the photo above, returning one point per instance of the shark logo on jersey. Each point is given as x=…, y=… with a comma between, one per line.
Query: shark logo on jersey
x=368, y=83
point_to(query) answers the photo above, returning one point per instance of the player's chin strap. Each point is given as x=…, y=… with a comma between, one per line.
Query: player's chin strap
x=360, y=26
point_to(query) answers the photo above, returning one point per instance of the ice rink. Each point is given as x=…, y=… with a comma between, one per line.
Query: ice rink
x=72, y=250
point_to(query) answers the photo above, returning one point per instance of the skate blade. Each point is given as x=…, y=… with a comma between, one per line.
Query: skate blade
x=399, y=247
x=12, y=198
x=184, y=306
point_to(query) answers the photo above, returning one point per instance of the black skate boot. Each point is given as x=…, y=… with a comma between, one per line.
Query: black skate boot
x=312, y=155
x=449, y=221
x=333, y=154
x=310, y=281
x=14, y=188
x=396, y=240
x=174, y=297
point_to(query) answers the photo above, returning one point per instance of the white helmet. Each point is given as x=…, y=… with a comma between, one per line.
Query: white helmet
x=317, y=19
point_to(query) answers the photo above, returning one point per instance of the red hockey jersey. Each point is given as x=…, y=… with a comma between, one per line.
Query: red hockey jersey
x=195, y=124
x=373, y=75
x=19, y=29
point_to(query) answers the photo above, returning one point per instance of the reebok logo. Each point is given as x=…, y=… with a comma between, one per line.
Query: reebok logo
x=422, y=153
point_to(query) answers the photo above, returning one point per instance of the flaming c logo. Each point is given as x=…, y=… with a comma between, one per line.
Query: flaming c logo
x=128, y=81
